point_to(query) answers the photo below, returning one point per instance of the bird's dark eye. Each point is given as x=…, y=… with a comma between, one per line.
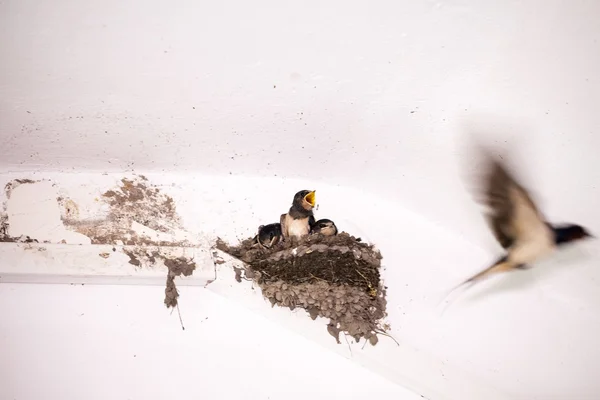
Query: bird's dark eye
x=271, y=235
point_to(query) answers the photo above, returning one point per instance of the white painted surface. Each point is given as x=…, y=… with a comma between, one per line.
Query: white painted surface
x=345, y=92
x=365, y=101
x=95, y=264
x=105, y=342
x=487, y=345
x=33, y=211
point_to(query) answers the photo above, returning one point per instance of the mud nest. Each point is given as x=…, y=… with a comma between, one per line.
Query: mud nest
x=335, y=277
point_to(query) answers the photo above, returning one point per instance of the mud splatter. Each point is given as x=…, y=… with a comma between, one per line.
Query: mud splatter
x=238, y=274
x=144, y=204
x=177, y=267
x=69, y=209
x=20, y=239
x=134, y=201
x=4, y=224
x=6, y=238
x=133, y=260
x=10, y=186
x=144, y=257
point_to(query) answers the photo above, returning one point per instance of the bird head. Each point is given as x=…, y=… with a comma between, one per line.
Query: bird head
x=582, y=233
x=571, y=233
x=306, y=199
x=269, y=235
x=325, y=227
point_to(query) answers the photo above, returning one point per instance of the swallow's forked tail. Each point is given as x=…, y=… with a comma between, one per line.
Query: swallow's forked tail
x=501, y=265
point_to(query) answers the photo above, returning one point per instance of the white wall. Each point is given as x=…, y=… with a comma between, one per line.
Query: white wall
x=370, y=97
x=95, y=350
x=320, y=90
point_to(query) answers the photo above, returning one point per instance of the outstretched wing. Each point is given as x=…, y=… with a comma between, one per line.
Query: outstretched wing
x=513, y=215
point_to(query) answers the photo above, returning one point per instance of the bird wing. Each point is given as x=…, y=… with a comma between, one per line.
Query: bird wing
x=311, y=222
x=282, y=221
x=513, y=213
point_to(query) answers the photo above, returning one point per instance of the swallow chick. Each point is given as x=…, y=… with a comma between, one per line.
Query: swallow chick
x=298, y=220
x=268, y=235
x=324, y=226
x=519, y=226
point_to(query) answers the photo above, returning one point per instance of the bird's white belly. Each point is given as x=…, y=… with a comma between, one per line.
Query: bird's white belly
x=530, y=251
x=297, y=227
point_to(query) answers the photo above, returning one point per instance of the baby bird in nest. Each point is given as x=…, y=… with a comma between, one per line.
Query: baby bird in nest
x=324, y=226
x=518, y=225
x=298, y=220
x=268, y=235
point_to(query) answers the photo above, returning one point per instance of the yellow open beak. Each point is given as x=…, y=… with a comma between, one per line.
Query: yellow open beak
x=310, y=198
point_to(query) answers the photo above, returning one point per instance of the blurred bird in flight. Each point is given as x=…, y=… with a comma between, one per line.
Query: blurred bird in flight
x=518, y=225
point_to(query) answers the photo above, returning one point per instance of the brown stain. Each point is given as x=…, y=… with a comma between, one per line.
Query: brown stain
x=142, y=256
x=238, y=274
x=152, y=256
x=10, y=186
x=133, y=260
x=177, y=266
x=133, y=200
x=69, y=209
x=334, y=331
x=6, y=238
x=180, y=266
x=3, y=226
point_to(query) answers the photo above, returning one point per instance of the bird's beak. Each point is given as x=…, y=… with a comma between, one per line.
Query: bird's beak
x=310, y=198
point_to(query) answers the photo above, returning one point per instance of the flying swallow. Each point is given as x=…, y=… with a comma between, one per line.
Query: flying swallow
x=519, y=226
x=325, y=227
x=268, y=235
x=298, y=220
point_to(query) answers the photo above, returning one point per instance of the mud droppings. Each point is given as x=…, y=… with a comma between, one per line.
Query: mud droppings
x=143, y=257
x=10, y=186
x=177, y=267
x=180, y=266
x=4, y=225
x=20, y=239
x=238, y=274
x=6, y=238
x=70, y=209
x=147, y=204
x=134, y=201
x=332, y=277
x=133, y=260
